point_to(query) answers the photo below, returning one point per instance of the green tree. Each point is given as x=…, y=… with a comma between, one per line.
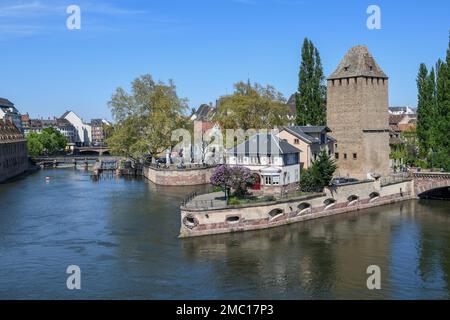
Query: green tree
x=52, y=140
x=424, y=105
x=35, y=147
x=311, y=95
x=319, y=175
x=441, y=128
x=252, y=107
x=433, y=127
x=49, y=141
x=146, y=117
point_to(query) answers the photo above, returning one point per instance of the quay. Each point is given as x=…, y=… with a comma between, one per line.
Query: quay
x=209, y=214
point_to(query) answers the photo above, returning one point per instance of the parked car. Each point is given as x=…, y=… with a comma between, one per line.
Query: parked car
x=341, y=180
x=161, y=160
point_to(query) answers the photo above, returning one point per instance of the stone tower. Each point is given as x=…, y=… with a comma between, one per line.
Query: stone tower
x=357, y=114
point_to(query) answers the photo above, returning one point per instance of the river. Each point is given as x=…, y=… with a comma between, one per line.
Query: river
x=122, y=233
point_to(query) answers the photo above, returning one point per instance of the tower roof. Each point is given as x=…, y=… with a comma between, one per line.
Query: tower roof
x=358, y=62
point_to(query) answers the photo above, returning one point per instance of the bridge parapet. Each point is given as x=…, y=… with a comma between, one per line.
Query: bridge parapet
x=426, y=181
x=431, y=175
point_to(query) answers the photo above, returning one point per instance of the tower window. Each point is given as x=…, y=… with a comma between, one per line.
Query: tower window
x=336, y=155
x=355, y=156
x=345, y=156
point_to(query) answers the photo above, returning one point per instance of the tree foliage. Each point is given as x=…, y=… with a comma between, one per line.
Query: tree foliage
x=319, y=175
x=238, y=178
x=311, y=95
x=433, y=113
x=49, y=141
x=252, y=107
x=146, y=117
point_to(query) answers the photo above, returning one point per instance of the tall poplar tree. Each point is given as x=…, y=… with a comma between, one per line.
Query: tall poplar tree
x=441, y=127
x=423, y=114
x=311, y=95
x=433, y=113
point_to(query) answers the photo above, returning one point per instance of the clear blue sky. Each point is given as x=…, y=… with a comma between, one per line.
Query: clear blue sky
x=204, y=45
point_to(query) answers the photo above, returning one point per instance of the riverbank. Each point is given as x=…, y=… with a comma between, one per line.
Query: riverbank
x=341, y=199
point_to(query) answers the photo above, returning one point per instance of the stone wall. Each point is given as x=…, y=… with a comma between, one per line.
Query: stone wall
x=174, y=177
x=13, y=159
x=425, y=181
x=345, y=198
x=357, y=114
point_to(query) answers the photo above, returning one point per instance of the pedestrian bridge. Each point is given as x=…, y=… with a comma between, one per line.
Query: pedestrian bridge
x=92, y=150
x=426, y=182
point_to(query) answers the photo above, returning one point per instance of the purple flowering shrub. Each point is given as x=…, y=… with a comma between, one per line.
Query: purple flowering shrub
x=237, y=178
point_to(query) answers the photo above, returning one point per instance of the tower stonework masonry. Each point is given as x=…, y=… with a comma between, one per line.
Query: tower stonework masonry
x=357, y=114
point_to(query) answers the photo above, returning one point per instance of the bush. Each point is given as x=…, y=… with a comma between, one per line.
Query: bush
x=319, y=175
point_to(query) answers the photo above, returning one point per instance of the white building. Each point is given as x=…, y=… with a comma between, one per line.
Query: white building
x=9, y=112
x=402, y=110
x=83, y=131
x=274, y=162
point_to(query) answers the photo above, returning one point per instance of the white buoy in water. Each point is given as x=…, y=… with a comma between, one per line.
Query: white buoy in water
x=47, y=179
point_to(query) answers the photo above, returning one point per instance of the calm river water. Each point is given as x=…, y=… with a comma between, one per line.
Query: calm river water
x=123, y=235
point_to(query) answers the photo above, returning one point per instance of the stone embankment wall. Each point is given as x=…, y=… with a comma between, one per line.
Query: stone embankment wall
x=344, y=198
x=178, y=177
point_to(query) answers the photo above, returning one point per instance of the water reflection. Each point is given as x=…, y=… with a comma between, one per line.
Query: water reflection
x=123, y=234
x=328, y=258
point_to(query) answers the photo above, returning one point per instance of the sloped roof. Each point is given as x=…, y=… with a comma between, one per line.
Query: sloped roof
x=9, y=132
x=204, y=113
x=6, y=103
x=358, y=62
x=263, y=144
x=394, y=119
x=298, y=132
x=314, y=129
x=292, y=105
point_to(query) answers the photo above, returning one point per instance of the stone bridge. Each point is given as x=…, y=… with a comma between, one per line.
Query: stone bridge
x=427, y=181
x=92, y=150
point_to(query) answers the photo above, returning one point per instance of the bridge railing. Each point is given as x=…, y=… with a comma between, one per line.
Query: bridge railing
x=431, y=175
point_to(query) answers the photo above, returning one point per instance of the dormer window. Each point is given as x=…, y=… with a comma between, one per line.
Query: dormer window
x=345, y=68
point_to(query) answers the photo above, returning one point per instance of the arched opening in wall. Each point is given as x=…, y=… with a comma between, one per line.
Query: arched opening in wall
x=329, y=203
x=304, y=208
x=374, y=196
x=440, y=193
x=190, y=221
x=106, y=153
x=353, y=199
x=275, y=213
x=233, y=219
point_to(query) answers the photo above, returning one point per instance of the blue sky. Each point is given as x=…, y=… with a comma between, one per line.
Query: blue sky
x=204, y=45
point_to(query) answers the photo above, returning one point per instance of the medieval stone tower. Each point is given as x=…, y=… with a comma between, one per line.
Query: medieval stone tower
x=357, y=114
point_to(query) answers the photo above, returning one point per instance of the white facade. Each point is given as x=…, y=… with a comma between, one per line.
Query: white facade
x=272, y=170
x=83, y=131
x=275, y=162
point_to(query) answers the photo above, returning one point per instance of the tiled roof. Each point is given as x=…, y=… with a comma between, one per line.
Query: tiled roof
x=394, y=119
x=9, y=132
x=263, y=143
x=357, y=62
